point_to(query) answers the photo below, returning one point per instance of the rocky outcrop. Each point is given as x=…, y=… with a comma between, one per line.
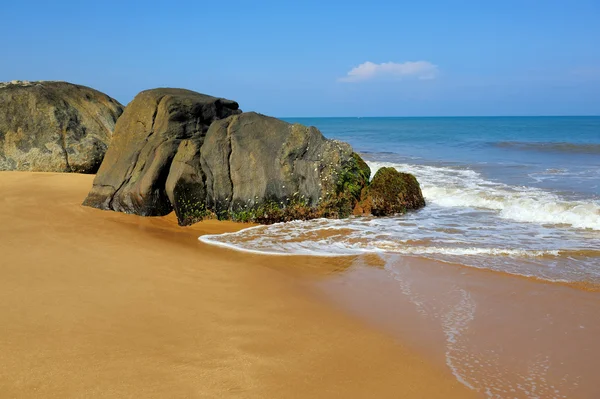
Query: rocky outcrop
x=390, y=193
x=54, y=126
x=134, y=173
x=251, y=167
x=199, y=155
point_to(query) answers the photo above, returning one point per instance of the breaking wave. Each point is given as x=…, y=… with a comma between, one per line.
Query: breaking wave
x=450, y=187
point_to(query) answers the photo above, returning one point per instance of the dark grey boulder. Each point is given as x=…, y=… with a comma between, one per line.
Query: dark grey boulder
x=133, y=175
x=54, y=126
x=252, y=167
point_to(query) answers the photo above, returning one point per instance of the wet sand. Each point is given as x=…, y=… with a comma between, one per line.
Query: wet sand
x=504, y=336
x=106, y=305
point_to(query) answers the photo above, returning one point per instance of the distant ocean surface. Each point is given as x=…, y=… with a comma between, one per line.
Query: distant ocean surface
x=519, y=195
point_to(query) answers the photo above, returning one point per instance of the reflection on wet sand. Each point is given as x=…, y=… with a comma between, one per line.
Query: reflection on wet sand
x=502, y=336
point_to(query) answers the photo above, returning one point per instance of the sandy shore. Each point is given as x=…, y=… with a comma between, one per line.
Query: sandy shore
x=100, y=304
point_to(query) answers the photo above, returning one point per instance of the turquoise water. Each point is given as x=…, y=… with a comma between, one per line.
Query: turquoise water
x=519, y=195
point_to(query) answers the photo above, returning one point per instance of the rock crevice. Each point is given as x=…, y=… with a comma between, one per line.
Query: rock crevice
x=145, y=143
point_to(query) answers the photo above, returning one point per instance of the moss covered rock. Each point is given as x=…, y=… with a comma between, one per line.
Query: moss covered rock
x=350, y=182
x=391, y=193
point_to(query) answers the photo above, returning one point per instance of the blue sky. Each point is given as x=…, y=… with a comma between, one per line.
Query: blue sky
x=320, y=58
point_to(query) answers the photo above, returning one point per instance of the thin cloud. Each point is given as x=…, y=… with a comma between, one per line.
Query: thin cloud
x=390, y=70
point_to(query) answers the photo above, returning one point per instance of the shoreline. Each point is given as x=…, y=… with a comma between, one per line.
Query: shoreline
x=105, y=304
x=588, y=286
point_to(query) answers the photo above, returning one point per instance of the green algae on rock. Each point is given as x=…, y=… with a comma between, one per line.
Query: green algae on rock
x=391, y=193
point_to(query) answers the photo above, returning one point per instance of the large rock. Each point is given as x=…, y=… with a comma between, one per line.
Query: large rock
x=133, y=175
x=391, y=193
x=54, y=126
x=251, y=167
x=245, y=167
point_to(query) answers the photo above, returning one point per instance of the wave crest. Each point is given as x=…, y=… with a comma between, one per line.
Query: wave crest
x=449, y=187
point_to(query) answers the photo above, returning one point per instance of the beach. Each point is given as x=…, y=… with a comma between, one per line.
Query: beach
x=108, y=305
x=326, y=200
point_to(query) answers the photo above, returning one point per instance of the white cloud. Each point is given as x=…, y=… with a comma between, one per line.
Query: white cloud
x=391, y=70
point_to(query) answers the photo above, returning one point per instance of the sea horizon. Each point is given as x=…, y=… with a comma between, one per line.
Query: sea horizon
x=444, y=116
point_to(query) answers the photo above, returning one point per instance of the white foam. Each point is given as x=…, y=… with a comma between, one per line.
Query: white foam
x=454, y=323
x=216, y=239
x=450, y=187
x=410, y=250
x=275, y=240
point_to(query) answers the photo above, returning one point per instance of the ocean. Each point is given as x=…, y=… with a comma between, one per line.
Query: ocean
x=519, y=195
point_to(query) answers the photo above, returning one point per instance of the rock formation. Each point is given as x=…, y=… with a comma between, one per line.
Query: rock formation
x=54, y=126
x=175, y=149
x=251, y=167
x=246, y=167
x=390, y=193
x=134, y=172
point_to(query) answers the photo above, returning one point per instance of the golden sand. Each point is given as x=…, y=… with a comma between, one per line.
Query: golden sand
x=102, y=304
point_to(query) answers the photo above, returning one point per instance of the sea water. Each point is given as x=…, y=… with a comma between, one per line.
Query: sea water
x=519, y=195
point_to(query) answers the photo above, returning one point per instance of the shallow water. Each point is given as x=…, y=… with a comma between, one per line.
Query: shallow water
x=501, y=336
